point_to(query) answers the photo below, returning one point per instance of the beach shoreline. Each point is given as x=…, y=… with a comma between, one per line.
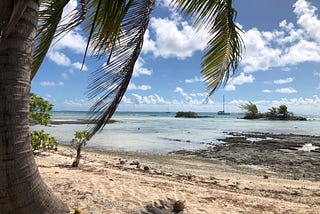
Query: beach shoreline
x=130, y=182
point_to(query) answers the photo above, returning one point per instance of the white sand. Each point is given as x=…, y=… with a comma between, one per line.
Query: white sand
x=103, y=185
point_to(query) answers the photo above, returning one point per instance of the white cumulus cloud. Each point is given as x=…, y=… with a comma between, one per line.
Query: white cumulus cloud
x=139, y=68
x=174, y=38
x=289, y=45
x=239, y=80
x=288, y=90
x=51, y=83
x=283, y=81
x=132, y=86
x=195, y=79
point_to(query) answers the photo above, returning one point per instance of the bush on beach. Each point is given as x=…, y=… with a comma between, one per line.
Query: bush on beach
x=39, y=113
x=42, y=140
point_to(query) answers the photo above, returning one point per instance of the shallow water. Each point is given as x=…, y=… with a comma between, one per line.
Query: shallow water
x=162, y=132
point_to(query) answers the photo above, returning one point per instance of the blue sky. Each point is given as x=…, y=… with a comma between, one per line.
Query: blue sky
x=280, y=65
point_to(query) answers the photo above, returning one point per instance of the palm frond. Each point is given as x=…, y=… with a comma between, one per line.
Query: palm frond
x=49, y=17
x=123, y=37
x=223, y=53
x=50, y=27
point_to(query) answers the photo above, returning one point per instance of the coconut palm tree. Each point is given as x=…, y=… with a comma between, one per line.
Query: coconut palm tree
x=115, y=30
x=251, y=110
x=283, y=112
x=272, y=113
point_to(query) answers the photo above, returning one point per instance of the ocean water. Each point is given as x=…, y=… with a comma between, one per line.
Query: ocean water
x=160, y=132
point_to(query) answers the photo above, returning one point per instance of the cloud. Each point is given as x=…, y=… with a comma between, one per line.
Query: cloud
x=51, y=83
x=288, y=90
x=195, y=79
x=77, y=103
x=132, y=86
x=239, y=80
x=267, y=91
x=316, y=74
x=289, y=45
x=189, y=98
x=183, y=94
x=308, y=19
x=72, y=41
x=59, y=58
x=174, y=38
x=126, y=100
x=78, y=66
x=139, y=68
x=151, y=99
x=283, y=81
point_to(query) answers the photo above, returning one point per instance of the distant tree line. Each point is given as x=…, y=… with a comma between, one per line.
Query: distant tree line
x=280, y=113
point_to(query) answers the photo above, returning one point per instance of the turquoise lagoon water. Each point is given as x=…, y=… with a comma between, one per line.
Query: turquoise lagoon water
x=161, y=132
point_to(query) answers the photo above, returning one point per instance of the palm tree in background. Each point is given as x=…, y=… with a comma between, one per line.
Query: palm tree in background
x=115, y=31
x=283, y=112
x=272, y=113
x=251, y=110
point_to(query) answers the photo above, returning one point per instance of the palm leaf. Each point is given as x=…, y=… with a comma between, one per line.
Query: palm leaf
x=50, y=17
x=223, y=53
x=122, y=37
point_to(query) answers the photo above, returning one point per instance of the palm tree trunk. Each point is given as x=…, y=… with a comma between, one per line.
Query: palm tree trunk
x=21, y=188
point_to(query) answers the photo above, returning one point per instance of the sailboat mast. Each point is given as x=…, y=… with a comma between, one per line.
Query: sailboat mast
x=223, y=104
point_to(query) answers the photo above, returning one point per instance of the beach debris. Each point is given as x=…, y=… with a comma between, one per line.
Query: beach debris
x=135, y=163
x=146, y=168
x=179, y=206
x=122, y=162
x=189, y=177
x=78, y=210
x=165, y=206
x=265, y=176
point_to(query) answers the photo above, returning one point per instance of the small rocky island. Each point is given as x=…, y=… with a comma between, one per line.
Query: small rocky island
x=186, y=114
x=280, y=113
x=189, y=114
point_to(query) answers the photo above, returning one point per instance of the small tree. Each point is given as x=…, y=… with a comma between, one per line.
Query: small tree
x=272, y=114
x=39, y=109
x=80, y=139
x=283, y=112
x=251, y=110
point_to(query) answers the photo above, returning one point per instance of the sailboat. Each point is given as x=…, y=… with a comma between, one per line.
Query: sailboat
x=223, y=112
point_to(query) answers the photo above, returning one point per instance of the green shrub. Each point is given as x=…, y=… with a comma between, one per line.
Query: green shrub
x=42, y=140
x=39, y=109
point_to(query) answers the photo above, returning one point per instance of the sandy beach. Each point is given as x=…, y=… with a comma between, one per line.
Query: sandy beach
x=128, y=182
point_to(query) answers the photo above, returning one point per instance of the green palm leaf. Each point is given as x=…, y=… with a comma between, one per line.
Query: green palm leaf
x=121, y=40
x=49, y=18
x=222, y=56
x=50, y=27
